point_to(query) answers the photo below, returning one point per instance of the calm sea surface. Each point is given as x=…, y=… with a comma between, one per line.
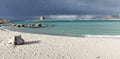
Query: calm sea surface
x=74, y=28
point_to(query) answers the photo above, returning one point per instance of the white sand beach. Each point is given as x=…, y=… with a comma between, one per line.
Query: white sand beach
x=39, y=46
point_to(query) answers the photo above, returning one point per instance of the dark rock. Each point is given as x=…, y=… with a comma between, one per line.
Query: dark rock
x=17, y=25
x=38, y=25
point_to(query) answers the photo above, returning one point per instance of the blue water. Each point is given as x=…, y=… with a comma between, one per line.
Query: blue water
x=74, y=28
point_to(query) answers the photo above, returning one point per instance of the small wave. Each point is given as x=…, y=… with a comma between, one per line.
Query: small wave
x=4, y=29
x=105, y=36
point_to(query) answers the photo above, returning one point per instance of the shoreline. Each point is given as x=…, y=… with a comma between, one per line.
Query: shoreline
x=82, y=36
x=3, y=29
x=38, y=34
x=40, y=46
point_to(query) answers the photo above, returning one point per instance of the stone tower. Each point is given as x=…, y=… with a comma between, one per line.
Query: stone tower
x=42, y=18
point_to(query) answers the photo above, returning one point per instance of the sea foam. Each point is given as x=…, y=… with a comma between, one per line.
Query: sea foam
x=105, y=36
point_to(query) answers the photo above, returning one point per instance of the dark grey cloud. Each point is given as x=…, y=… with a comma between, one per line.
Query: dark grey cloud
x=58, y=7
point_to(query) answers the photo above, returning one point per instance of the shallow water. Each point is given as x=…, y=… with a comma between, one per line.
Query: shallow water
x=75, y=28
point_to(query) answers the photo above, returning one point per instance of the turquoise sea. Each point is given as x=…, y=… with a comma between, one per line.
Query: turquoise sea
x=75, y=28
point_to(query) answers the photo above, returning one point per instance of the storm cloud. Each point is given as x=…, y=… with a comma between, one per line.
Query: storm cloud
x=58, y=7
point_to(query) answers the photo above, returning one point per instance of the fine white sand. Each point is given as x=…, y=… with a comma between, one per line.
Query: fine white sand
x=39, y=46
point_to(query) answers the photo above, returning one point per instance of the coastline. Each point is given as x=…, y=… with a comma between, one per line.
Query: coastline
x=40, y=46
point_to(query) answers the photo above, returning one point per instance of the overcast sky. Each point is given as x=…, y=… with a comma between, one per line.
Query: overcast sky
x=58, y=7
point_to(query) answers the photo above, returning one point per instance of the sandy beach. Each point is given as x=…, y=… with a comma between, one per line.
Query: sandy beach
x=39, y=46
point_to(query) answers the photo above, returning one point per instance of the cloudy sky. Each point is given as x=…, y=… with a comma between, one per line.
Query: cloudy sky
x=58, y=7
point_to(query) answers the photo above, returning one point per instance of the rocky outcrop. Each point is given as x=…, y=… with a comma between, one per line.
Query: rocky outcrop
x=2, y=21
x=37, y=25
x=28, y=25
